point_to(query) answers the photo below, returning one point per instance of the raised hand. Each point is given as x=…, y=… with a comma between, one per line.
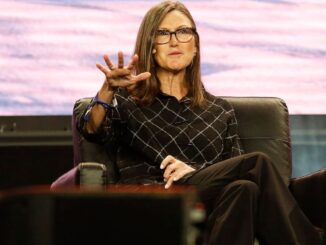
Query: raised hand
x=174, y=170
x=119, y=76
x=115, y=77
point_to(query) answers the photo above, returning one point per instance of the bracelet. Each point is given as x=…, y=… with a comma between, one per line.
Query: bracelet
x=96, y=101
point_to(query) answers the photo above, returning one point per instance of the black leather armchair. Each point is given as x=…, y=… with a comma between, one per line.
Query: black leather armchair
x=263, y=126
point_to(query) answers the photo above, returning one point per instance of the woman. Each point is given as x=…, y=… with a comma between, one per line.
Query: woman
x=170, y=130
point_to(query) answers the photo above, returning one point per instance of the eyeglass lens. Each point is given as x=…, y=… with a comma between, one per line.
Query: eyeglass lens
x=182, y=35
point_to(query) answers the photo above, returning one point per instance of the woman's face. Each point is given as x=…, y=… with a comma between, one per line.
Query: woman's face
x=174, y=55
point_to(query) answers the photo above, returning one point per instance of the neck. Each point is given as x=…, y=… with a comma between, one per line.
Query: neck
x=173, y=83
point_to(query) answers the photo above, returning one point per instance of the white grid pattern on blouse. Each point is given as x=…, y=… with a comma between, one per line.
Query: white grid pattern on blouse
x=197, y=136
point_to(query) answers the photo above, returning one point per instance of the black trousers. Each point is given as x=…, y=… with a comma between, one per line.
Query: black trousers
x=245, y=198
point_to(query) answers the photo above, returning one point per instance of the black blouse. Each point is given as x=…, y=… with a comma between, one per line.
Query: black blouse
x=147, y=134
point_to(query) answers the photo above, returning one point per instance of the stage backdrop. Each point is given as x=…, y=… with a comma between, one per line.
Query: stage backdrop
x=48, y=50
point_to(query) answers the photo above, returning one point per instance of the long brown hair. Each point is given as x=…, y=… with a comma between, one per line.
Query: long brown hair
x=146, y=91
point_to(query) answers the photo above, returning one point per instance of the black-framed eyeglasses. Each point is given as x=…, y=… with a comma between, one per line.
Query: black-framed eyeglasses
x=183, y=35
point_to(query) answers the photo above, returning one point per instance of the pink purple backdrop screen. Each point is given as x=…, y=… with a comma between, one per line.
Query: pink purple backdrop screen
x=48, y=50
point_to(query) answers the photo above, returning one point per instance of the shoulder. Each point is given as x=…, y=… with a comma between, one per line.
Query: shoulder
x=217, y=101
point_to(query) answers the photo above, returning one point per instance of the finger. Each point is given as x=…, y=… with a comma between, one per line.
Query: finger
x=178, y=175
x=132, y=62
x=141, y=77
x=166, y=161
x=108, y=62
x=170, y=169
x=169, y=183
x=120, y=60
x=103, y=69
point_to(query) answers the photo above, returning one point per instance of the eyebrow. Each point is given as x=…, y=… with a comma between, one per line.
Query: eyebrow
x=182, y=26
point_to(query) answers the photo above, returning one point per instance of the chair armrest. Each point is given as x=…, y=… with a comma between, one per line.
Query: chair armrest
x=87, y=151
x=92, y=174
x=88, y=174
x=67, y=179
x=310, y=193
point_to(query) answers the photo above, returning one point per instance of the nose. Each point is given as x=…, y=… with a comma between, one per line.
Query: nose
x=173, y=39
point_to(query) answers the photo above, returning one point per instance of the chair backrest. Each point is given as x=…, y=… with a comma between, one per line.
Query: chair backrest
x=263, y=126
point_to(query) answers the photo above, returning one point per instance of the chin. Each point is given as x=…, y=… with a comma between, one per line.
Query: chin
x=176, y=67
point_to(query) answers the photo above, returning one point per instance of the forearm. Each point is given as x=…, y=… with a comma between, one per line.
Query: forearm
x=98, y=112
x=96, y=119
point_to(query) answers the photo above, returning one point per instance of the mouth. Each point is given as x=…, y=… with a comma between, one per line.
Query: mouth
x=175, y=53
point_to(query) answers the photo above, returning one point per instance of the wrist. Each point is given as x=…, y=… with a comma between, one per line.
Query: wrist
x=97, y=101
x=105, y=95
x=110, y=89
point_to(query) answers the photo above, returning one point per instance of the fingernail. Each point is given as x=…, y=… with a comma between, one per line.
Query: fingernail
x=161, y=167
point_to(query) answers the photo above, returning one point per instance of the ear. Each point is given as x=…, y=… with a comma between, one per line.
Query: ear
x=154, y=51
